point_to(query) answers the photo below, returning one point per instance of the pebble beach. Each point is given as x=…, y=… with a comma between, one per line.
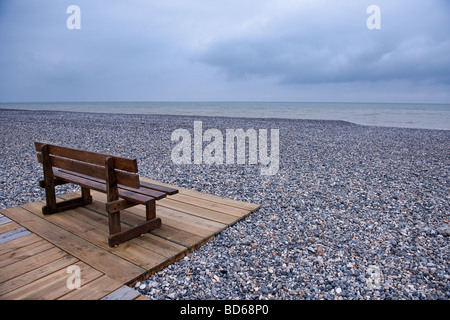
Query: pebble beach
x=354, y=212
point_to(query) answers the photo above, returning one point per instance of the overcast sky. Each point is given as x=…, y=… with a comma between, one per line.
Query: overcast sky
x=225, y=50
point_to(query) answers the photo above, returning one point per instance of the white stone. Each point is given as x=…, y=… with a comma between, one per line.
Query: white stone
x=171, y=295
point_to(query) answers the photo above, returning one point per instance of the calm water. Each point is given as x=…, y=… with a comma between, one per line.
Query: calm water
x=429, y=116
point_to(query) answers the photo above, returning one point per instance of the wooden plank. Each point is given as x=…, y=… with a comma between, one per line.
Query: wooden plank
x=231, y=202
x=95, y=212
x=24, y=252
x=102, y=260
x=142, y=297
x=160, y=245
x=208, y=204
x=175, y=235
x=13, y=234
x=123, y=293
x=190, y=223
x=36, y=274
x=201, y=212
x=94, y=290
x=18, y=243
x=52, y=286
x=11, y=225
x=121, y=163
x=13, y=270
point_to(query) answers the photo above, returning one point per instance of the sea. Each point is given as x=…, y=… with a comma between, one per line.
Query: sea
x=404, y=115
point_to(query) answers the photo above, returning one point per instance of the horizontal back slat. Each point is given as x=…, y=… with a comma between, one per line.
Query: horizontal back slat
x=120, y=163
x=126, y=178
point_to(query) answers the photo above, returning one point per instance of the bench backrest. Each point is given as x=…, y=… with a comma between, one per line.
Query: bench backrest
x=90, y=163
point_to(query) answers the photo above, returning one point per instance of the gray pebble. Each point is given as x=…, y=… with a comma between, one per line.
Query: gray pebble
x=346, y=197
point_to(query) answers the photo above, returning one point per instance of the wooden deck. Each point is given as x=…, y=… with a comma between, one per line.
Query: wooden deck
x=36, y=250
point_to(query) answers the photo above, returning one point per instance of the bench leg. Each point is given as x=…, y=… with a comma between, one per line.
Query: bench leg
x=49, y=180
x=150, y=210
x=50, y=200
x=151, y=223
x=114, y=222
x=54, y=207
x=86, y=195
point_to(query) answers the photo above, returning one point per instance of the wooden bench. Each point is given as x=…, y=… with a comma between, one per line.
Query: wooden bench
x=115, y=176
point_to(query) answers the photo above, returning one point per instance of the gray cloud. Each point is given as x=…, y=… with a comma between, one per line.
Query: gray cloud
x=224, y=50
x=338, y=47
